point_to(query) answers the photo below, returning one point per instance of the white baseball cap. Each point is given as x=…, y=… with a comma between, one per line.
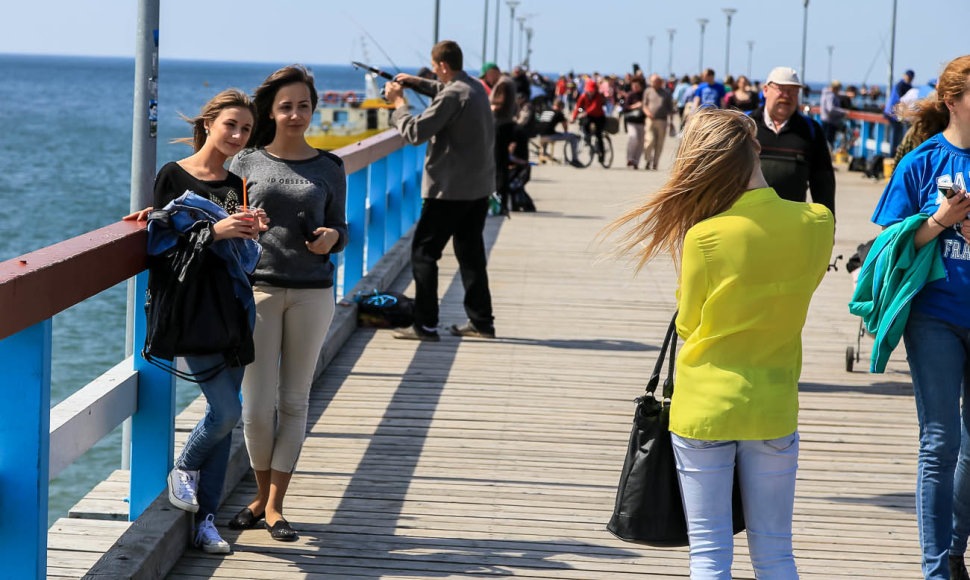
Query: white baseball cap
x=784, y=75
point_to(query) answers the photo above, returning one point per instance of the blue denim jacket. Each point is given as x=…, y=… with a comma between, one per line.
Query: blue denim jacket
x=240, y=255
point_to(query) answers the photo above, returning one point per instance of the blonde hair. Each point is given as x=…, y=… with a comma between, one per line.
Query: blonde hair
x=715, y=160
x=227, y=99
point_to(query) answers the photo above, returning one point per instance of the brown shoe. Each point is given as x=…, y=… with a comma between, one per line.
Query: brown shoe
x=415, y=333
x=468, y=329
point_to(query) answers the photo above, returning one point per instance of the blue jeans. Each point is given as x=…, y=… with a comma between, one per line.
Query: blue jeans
x=207, y=448
x=937, y=352
x=766, y=471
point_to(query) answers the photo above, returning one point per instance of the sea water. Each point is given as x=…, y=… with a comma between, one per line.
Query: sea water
x=65, y=169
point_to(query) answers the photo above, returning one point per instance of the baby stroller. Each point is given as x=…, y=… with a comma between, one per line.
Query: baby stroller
x=853, y=266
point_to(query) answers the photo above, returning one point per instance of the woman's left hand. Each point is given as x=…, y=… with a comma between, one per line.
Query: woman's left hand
x=138, y=216
x=327, y=238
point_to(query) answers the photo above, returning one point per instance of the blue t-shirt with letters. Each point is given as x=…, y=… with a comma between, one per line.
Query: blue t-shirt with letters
x=913, y=190
x=711, y=94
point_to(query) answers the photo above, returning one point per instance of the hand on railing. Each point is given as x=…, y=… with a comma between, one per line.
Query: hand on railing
x=138, y=216
x=326, y=239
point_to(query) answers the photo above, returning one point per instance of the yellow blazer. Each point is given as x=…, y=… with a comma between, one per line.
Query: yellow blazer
x=747, y=277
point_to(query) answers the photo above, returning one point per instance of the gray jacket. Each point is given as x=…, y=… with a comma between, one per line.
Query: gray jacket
x=459, y=164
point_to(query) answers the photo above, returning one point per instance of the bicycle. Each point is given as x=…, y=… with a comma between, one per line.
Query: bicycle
x=586, y=150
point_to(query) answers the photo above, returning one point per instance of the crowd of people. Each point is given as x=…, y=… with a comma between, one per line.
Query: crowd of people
x=255, y=240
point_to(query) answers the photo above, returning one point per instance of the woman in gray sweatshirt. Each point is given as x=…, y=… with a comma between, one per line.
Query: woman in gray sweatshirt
x=303, y=191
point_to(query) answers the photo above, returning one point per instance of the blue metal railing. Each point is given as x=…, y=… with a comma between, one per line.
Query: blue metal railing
x=383, y=200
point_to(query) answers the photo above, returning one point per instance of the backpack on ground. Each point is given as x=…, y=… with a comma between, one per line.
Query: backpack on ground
x=384, y=309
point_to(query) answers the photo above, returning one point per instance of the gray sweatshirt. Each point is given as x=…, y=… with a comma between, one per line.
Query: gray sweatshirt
x=298, y=196
x=460, y=161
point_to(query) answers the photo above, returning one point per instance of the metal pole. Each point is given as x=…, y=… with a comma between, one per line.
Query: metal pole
x=700, y=56
x=750, y=51
x=528, y=50
x=498, y=10
x=729, y=12
x=144, y=141
x=485, y=35
x=892, y=54
x=830, y=49
x=511, y=4
x=437, y=9
x=521, y=21
x=650, y=55
x=670, y=52
x=804, y=41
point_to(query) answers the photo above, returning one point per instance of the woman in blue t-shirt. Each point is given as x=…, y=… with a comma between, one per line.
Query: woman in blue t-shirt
x=937, y=334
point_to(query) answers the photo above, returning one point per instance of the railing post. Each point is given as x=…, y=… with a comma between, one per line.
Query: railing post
x=356, y=220
x=377, y=217
x=411, y=191
x=153, y=424
x=419, y=151
x=25, y=450
x=395, y=195
x=880, y=135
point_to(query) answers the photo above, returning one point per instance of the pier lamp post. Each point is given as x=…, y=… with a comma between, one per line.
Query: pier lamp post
x=485, y=35
x=437, y=10
x=729, y=12
x=670, y=51
x=804, y=40
x=511, y=4
x=521, y=21
x=892, y=54
x=700, y=56
x=750, y=52
x=650, y=55
x=498, y=9
x=830, y=49
x=528, y=47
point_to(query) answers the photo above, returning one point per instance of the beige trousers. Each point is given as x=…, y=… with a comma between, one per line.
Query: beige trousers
x=291, y=325
x=656, y=133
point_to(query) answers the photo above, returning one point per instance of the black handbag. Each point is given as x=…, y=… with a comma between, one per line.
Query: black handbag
x=649, y=508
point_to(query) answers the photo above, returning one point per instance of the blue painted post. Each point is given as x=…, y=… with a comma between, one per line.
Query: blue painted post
x=864, y=139
x=880, y=136
x=153, y=424
x=411, y=191
x=419, y=151
x=377, y=218
x=395, y=195
x=356, y=221
x=25, y=450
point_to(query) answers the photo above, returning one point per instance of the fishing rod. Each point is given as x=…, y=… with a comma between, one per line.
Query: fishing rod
x=387, y=56
x=416, y=88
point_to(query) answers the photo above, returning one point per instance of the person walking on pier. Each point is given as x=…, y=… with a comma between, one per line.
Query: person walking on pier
x=795, y=156
x=304, y=190
x=220, y=131
x=749, y=264
x=937, y=332
x=659, y=108
x=459, y=177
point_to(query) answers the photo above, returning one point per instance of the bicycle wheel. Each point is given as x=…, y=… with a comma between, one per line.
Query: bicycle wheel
x=584, y=151
x=606, y=159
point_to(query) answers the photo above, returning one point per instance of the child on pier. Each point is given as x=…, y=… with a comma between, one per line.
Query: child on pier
x=199, y=186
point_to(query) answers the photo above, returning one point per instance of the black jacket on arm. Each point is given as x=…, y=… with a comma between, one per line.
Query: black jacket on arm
x=797, y=159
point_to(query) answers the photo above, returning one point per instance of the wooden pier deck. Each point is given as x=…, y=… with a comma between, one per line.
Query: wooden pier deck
x=474, y=458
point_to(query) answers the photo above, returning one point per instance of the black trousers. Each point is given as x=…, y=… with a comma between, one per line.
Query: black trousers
x=463, y=222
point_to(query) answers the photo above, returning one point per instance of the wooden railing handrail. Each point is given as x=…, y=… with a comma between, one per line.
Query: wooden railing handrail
x=38, y=285
x=868, y=116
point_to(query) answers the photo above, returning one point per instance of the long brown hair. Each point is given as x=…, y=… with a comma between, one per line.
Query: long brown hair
x=715, y=160
x=225, y=100
x=265, y=130
x=931, y=115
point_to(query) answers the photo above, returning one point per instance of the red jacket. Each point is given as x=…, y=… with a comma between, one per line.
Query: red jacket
x=593, y=105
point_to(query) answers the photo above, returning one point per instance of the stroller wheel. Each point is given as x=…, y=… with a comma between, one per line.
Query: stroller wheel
x=849, y=358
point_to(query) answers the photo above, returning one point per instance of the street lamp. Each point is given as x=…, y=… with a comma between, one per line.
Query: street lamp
x=670, y=52
x=750, y=51
x=729, y=12
x=892, y=54
x=650, y=55
x=498, y=9
x=804, y=40
x=511, y=4
x=830, y=49
x=700, y=56
x=528, y=50
x=485, y=35
x=437, y=9
x=521, y=20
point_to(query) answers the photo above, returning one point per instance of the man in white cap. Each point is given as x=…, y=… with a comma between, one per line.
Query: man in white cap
x=794, y=154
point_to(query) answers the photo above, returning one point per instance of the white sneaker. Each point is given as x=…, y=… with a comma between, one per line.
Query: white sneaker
x=208, y=539
x=181, y=489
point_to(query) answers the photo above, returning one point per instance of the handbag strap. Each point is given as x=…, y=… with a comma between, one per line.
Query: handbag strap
x=669, y=346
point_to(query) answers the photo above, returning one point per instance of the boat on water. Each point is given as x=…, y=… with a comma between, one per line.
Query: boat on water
x=345, y=118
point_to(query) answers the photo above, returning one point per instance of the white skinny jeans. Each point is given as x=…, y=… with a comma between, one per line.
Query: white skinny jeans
x=291, y=325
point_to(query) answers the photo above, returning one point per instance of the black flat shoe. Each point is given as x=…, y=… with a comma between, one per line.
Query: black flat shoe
x=958, y=568
x=281, y=531
x=245, y=520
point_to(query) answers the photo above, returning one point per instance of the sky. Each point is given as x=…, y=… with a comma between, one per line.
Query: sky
x=579, y=35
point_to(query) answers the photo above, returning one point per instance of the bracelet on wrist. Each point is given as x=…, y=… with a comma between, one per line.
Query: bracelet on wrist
x=938, y=222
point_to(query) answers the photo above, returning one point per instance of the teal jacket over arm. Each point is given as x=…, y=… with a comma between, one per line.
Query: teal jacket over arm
x=893, y=273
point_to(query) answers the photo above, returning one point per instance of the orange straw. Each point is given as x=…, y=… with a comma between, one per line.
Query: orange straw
x=245, y=204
